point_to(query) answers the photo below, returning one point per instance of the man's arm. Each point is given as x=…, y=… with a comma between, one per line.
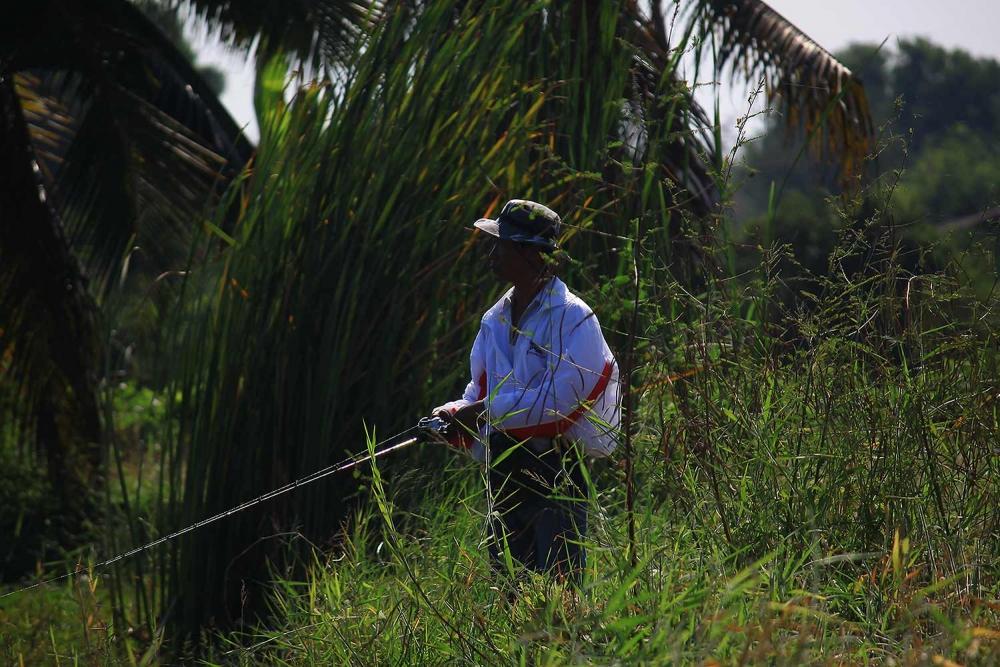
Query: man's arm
x=467, y=411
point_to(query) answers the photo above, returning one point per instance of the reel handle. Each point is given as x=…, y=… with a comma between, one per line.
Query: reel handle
x=434, y=426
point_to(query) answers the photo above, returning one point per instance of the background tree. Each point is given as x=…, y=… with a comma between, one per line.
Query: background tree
x=112, y=142
x=937, y=111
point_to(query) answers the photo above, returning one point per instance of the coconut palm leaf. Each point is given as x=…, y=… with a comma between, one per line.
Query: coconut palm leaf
x=121, y=172
x=47, y=331
x=126, y=145
x=657, y=77
x=320, y=32
x=129, y=147
x=817, y=93
x=112, y=114
x=132, y=144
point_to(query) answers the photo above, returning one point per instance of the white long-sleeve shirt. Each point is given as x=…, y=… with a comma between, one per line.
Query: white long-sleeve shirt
x=552, y=374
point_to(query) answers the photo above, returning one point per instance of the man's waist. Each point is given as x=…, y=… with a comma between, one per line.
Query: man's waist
x=537, y=444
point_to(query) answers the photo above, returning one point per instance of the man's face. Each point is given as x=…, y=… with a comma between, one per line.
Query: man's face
x=512, y=261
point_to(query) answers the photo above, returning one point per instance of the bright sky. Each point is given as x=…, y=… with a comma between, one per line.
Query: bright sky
x=966, y=24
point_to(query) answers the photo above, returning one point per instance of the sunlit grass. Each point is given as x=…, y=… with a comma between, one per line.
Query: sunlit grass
x=426, y=594
x=825, y=499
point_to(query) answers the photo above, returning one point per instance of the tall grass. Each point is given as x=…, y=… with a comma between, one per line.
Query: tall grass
x=815, y=487
x=807, y=480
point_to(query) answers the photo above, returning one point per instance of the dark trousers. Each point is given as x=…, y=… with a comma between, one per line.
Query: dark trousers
x=539, y=505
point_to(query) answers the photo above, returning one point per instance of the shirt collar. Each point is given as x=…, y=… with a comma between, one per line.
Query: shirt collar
x=547, y=297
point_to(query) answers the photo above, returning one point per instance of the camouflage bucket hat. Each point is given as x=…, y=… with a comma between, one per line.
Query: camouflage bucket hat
x=524, y=221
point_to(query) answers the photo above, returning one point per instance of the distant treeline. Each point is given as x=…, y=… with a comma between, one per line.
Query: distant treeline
x=937, y=114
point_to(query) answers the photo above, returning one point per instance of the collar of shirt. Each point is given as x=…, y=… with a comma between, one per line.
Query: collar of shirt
x=546, y=298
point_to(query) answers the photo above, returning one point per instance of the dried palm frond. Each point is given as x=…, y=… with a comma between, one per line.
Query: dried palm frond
x=47, y=320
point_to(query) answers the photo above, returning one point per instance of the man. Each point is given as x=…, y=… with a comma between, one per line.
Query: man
x=543, y=393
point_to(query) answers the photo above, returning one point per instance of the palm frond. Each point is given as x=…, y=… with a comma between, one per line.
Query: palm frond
x=319, y=32
x=661, y=88
x=47, y=325
x=119, y=171
x=132, y=144
x=108, y=137
x=818, y=94
x=175, y=87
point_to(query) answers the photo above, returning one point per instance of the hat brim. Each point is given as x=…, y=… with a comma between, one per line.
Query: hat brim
x=491, y=227
x=543, y=244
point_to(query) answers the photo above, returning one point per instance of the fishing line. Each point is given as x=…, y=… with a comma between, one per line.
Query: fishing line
x=424, y=426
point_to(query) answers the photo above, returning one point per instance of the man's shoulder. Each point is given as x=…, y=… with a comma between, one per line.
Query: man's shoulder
x=494, y=311
x=576, y=304
x=563, y=296
x=573, y=308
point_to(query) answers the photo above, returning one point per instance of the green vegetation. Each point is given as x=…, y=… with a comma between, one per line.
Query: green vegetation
x=75, y=618
x=350, y=269
x=811, y=470
x=936, y=111
x=822, y=488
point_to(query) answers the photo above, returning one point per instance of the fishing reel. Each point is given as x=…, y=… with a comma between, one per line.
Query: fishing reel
x=435, y=428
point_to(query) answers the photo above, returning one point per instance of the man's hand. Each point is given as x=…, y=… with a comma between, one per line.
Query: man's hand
x=466, y=418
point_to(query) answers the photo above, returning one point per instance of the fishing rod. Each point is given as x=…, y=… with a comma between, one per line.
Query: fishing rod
x=428, y=428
